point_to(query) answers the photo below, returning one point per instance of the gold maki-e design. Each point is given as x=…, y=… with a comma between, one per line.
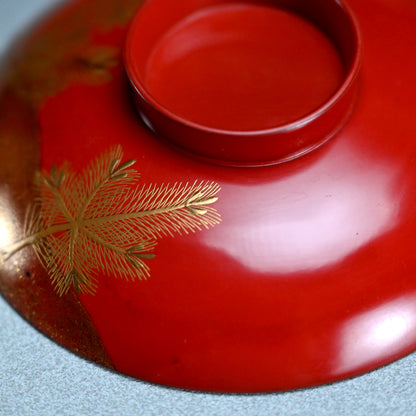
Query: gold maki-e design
x=101, y=220
x=64, y=52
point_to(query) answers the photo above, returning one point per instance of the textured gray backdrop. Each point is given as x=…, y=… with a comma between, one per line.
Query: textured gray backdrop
x=37, y=377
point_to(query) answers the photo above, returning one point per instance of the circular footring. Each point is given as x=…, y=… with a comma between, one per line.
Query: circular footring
x=244, y=83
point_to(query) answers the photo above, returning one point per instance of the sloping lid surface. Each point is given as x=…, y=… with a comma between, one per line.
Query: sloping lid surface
x=136, y=249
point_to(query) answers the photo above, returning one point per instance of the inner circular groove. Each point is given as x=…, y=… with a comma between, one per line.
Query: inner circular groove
x=243, y=67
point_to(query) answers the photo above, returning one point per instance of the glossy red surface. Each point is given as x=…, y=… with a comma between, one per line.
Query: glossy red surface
x=244, y=83
x=243, y=67
x=309, y=278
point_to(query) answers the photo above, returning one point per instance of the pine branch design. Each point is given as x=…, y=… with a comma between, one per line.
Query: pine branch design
x=101, y=221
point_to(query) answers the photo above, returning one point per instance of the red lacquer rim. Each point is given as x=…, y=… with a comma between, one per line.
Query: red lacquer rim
x=254, y=147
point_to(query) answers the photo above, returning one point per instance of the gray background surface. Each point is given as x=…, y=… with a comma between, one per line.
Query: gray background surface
x=37, y=377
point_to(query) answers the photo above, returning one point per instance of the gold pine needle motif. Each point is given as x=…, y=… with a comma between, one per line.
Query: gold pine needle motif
x=101, y=220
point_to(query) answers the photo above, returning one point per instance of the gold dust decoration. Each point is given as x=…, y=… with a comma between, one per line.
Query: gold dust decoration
x=64, y=51
x=45, y=73
x=101, y=220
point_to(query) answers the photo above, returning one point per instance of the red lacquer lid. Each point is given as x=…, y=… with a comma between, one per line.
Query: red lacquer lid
x=214, y=195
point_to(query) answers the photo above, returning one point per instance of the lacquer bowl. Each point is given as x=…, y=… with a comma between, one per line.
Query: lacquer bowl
x=214, y=195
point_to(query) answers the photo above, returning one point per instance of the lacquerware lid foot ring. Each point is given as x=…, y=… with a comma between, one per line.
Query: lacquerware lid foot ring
x=244, y=84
